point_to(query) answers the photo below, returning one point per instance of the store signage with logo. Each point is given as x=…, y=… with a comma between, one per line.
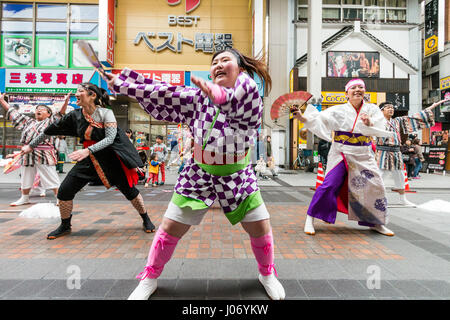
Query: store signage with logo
x=173, y=77
x=45, y=80
x=332, y=98
x=434, y=26
x=445, y=83
x=437, y=157
x=106, y=36
x=399, y=100
x=28, y=103
x=174, y=41
x=445, y=94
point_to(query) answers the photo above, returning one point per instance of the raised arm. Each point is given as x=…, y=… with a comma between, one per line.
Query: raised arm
x=163, y=101
x=3, y=102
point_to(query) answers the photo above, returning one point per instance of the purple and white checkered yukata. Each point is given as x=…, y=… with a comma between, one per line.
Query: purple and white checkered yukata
x=220, y=167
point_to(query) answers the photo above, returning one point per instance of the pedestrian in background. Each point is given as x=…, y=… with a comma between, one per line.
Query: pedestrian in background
x=61, y=149
x=153, y=170
x=419, y=159
x=409, y=157
x=162, y=151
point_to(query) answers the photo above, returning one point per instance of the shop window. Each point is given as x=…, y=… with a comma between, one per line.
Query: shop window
x=17, y=43
x=331, y=14
x=376, y=3
x=57, y=27
x=374, y=15
x=331, y=2
x=396, y=3
x=352, y=2
x=17, y=10
x=352, y=14
x=51, y=11
x=395, y=15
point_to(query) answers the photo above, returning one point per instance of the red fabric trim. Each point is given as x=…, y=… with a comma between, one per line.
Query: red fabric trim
x=131, y=174
x=342, y=199
x=357, y=114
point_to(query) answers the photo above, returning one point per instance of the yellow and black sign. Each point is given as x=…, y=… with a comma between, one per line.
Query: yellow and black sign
x=431, y=45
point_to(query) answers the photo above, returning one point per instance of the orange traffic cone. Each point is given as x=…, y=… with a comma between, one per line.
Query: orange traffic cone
x=320, y=176
x=407, y=189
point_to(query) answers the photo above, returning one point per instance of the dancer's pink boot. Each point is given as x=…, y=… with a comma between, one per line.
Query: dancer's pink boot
x=263, y=250
x=161, y=251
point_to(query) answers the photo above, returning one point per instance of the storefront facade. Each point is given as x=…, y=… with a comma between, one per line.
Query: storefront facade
x=40, y=60
x=164, y=40
x=378, y=41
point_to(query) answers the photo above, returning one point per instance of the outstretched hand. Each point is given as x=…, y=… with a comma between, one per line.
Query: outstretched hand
x=299, y=116
x=434, y=105
x=108, y=77
x=199, y=82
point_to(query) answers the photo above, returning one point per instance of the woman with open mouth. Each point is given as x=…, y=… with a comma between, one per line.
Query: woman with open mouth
x=224, y=117
x=353, y=182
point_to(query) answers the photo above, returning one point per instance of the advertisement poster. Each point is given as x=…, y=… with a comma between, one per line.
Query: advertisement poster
x=437, y=157
x=17, y=51
x=343, y=64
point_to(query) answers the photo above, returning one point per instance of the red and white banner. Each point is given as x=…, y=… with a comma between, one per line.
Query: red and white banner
x=175, y=78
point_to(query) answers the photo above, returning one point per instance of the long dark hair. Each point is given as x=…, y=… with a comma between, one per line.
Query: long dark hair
x=251, y=65
x=102, y=98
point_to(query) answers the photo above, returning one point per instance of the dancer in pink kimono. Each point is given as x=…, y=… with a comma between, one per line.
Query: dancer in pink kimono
x=353, y=182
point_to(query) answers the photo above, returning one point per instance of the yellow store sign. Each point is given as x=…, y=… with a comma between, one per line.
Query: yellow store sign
x=332, y=98
x=445, y=83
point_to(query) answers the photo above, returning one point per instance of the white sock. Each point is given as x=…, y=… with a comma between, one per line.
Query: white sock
x=273, y=287
x=309, y=225
x=144, y=289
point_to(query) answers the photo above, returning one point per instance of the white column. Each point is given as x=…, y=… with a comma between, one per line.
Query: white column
x=314, y=73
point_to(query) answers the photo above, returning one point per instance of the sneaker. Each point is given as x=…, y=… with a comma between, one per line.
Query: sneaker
x=155, y=185
x=273, y=287
x=42, y=194
x=407, y=203
x=146, y=185
x=23, y=200
x=144, y=289
x=161, y=183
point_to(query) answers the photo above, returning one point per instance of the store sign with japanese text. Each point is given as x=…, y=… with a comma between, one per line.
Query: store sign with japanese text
x=434, y=27
x=332, y=98
x=175, y=40
x=173, y=77
x=45, y=80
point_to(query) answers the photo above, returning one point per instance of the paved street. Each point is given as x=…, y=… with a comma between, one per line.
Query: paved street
x=107, y=248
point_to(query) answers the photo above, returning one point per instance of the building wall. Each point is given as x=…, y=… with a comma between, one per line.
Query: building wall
x=216, y=16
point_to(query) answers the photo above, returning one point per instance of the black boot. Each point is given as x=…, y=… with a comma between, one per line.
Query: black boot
x=63, y=229
x=148, y=225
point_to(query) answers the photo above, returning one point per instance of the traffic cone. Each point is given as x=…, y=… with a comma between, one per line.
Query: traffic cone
x=320, y=176
x=407, y=189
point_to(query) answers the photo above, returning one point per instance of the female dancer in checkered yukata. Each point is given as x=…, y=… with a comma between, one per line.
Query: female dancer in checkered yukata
x=353, y=182
x=224, y=117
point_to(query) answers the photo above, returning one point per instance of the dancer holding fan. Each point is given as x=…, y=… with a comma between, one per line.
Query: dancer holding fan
x=224, y=117
x=353, y=182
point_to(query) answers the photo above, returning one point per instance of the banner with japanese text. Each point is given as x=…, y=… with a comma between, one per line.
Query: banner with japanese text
x=47, y=80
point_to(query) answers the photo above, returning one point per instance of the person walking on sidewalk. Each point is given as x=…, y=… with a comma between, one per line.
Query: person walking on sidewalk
x=162, y=152
x=224, y=117
x=107, y=154
x=388, y=155
x=419, y=159
x=352, y=183
x=39, y=156
x=61, y=148
x=153, y=169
